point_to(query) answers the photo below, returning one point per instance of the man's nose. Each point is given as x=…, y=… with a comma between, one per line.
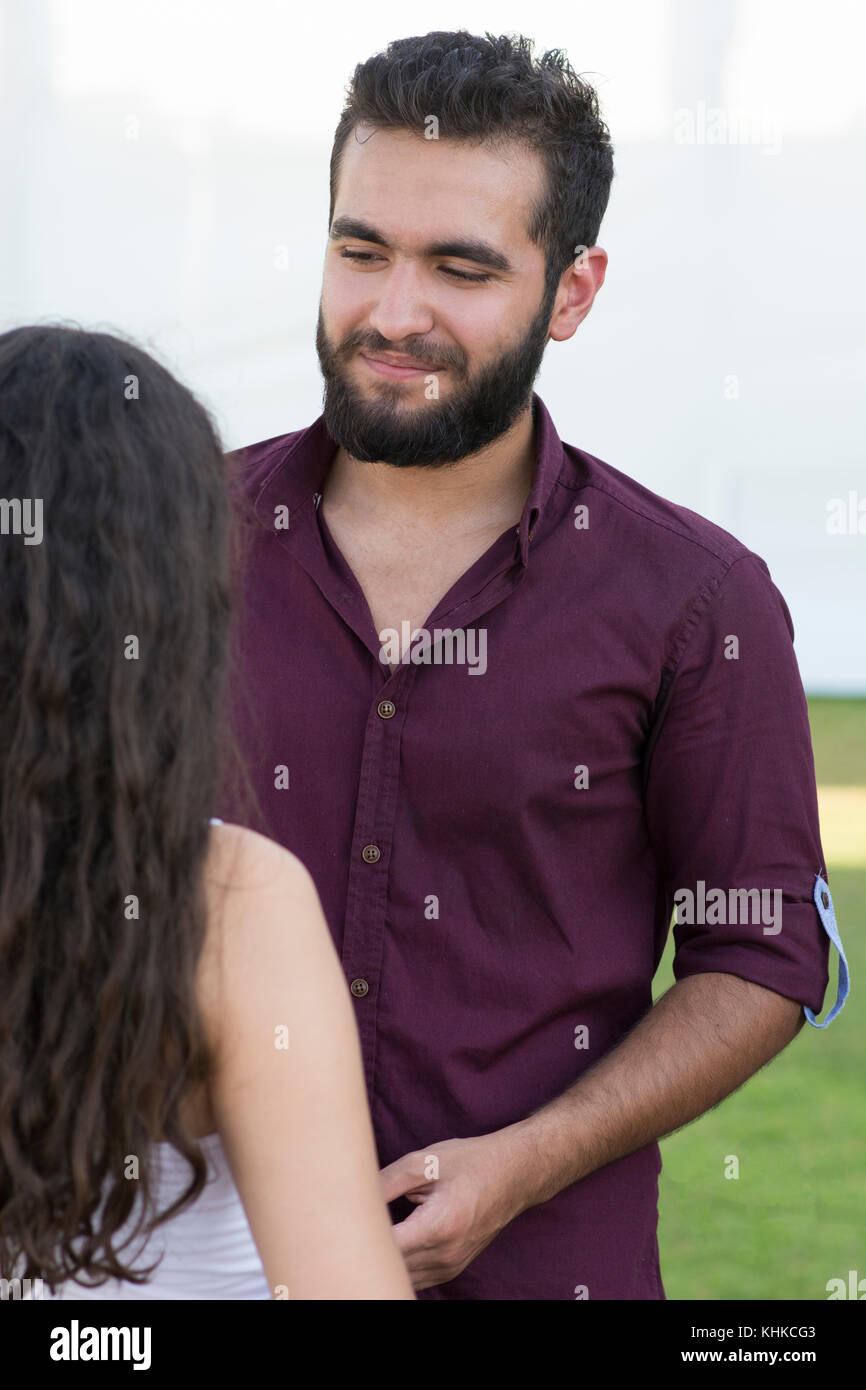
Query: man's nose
x=401, y=310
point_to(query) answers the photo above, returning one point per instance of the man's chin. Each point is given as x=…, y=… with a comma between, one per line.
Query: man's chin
x=404, y=398
x=397, y=450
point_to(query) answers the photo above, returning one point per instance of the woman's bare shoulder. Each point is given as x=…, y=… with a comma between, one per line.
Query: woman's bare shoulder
x=241, y=861
x=260, y=899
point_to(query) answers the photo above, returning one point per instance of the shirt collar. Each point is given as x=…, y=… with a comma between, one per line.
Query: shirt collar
x=548, y=466
x=297, y=478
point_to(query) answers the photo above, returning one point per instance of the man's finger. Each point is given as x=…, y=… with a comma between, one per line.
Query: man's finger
x=401, y=1177
x=416, y=1233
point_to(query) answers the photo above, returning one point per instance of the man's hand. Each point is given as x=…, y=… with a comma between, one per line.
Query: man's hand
x=466, y=1190
x=698, y=1043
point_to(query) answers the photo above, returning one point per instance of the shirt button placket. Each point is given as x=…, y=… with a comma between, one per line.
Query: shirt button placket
x=366, y=902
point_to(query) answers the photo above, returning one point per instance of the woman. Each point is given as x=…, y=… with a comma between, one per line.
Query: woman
x=182, y=1103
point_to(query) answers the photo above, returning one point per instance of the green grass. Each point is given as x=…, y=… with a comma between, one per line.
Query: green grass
x=839, y=742
x=796, y=1216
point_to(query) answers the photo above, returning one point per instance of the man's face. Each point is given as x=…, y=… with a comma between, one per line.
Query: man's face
x=429, y=260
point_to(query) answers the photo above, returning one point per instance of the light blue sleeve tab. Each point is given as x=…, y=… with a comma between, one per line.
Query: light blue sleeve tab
x=824, y=904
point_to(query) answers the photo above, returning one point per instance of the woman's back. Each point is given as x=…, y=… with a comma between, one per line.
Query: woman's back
x=207, y=1250
x=291, y=1207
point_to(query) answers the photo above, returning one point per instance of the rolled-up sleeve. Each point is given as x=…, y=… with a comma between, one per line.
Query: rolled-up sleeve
x=730, y=793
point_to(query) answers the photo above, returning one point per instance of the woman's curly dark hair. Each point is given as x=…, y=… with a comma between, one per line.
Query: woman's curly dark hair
x=115, y=641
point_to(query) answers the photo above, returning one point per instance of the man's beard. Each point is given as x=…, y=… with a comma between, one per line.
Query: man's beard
x=436, y=432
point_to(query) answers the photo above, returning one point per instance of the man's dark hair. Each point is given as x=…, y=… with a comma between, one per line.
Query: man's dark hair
x=492, y=91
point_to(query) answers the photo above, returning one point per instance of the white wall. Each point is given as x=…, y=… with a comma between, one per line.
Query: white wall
x=165, y=176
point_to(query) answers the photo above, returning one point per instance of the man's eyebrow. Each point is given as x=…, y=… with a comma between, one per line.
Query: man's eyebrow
x=462, y=248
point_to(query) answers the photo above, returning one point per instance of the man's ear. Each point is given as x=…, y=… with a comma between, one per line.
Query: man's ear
x=578, y=287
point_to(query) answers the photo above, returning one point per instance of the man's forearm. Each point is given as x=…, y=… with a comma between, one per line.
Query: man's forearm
x=701, y=1041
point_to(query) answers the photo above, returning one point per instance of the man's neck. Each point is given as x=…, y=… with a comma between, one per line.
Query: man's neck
x=487, y=489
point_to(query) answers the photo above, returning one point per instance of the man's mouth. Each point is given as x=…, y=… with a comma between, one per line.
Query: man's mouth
x=397, y=366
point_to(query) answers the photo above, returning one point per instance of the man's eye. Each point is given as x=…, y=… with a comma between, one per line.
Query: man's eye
x=464, y=274
x=368, y=256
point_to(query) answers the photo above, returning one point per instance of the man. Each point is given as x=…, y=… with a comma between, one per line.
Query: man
x=510, y=707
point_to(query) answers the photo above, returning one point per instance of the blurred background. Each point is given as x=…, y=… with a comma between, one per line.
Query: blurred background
x=165, y=176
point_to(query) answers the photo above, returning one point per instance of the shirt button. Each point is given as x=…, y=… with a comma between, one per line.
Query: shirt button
x=359, y=988
x=371, y=854
x=386, y=709
x=825, y=900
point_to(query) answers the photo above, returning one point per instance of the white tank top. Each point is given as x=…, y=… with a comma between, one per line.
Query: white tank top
x=207, y=1249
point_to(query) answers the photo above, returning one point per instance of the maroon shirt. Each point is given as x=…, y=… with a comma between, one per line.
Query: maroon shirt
x=497, y=851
